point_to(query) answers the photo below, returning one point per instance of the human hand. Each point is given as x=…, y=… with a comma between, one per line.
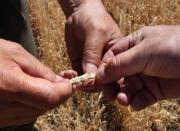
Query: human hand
x=149, y=59
x=90, y=31
x=27, y=87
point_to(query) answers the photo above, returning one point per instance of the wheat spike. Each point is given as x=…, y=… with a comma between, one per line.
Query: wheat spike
x=82, y=78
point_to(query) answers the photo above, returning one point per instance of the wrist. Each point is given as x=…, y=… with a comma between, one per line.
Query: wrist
x=71, y=6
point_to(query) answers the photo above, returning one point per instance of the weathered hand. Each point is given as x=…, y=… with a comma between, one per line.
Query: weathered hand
x=90, y=30
x=149, y=59
x=27, y=87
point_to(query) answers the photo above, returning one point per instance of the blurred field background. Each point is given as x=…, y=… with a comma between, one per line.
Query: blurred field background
x=90, y=112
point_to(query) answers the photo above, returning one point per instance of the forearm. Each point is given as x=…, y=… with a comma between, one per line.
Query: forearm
x=70, y=6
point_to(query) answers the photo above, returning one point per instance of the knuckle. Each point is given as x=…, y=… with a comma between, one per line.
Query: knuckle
x=114, y=62
x=7, y=77
x=56, y=96
x=112, y=65
x=91, y=56
x=170, y=46
x=136, y=38
x=70, y=20
x=101, y=29
x=16, y=47
x=98, y=27
x=49, y=103
x=117, y=64
x=46, y=70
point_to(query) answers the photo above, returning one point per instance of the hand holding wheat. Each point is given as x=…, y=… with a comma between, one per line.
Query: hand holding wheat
x=149, y=61
x=27, y=87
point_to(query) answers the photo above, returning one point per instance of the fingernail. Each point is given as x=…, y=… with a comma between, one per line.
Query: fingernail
x=74, y=87
x=122, y=99
x=89, y=67
x=100, y=76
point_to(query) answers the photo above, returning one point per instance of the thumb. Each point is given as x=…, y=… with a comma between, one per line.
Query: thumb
x=98, y=41
x=126, y=57
x=127, y=63
x=36, y=92
x=92, y=52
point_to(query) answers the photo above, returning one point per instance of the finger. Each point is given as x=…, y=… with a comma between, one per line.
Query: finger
x=142, y=100
x=98, y=41
x=170, y=88
x=18, y=121
x=31, y=65
x=128, y=42
x=111, y=91
x=74, y=47
x=16, y=110
x=35, y=92
x=69, y=74
x=125, y=64
x=49, y=96
x=152, y=84
x=93, y=49
x=123, y=44
x=129, y=90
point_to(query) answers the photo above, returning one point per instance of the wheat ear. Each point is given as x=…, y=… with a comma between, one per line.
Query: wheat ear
x=82, y=78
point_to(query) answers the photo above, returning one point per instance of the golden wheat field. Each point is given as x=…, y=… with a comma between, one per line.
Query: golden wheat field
x=90, y=112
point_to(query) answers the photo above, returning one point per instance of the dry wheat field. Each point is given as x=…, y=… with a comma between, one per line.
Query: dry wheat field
x=90, y=112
